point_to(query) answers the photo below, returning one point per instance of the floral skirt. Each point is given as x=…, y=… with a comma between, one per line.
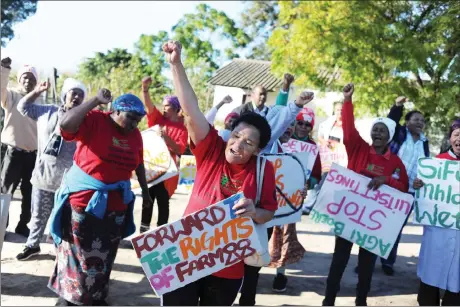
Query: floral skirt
x=284, y=246
x=86, y=255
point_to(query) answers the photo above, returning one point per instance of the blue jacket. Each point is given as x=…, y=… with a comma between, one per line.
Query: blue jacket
x=76, y=180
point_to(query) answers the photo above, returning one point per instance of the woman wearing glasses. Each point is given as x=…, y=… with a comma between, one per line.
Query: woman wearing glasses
x=54, y=155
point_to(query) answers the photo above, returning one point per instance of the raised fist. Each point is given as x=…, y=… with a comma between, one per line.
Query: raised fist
x=104, y=96
x=348, y=90
x=400, y=101
x=6, y=62
x=288, y=78
x=41, y=87
x=227, y=99
x=173, y=51
x=304, y=98
x=146, y=82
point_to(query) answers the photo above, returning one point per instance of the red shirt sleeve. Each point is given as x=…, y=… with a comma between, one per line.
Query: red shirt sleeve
x=316, y=171
x=401, y=184
x=268, y=195
x=154, y=118
x=210, y=147
x=84, y=131
x=182, y=141
x=353, y=142
x=141, y=150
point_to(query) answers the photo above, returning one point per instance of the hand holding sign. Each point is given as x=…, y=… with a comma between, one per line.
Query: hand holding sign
x=376, y=182
x=245, y=208
x=418, y=184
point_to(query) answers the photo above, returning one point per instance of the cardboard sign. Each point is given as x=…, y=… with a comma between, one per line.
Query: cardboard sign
x=335, y=152
x=437, y=203
x=159, y=165
x=291, y=175
x=187, y=174
x=5, y=200
x=196, y=246
x=293, y=146
x=370, y=219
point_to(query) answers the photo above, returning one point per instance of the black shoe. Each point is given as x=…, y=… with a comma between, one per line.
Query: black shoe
x=144, y=228
x=360, y=302
x=63, y=302
x=388, y=270
x=100, y=303
x=279, y=283
x=22, y=230
x=27, y=253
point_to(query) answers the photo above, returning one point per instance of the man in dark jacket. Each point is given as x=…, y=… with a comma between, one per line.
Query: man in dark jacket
x=257, y=103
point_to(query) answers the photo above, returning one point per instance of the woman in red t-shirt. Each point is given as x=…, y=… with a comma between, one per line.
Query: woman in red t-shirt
x=376, y=162
x=109, y=149
x=175, y=135
x=223, y=169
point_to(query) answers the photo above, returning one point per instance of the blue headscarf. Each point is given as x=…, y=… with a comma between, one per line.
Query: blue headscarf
x=129, y=103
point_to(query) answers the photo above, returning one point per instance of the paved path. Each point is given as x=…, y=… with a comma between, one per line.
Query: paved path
x=24, y=283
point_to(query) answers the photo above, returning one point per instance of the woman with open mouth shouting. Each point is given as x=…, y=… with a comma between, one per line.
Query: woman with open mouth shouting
x=223, y=169
x=376, y=162
x=439, y=260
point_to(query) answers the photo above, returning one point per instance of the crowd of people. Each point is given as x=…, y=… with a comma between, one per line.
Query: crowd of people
x=74, y=163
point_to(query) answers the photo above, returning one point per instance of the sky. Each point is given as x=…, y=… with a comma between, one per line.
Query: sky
x=62, y=33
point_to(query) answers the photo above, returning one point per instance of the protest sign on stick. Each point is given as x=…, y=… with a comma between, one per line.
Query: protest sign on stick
x=196, y=246
x=159, y=165
x=437, y=203
x=291, y=175
x=370, y=219
x=187, y=174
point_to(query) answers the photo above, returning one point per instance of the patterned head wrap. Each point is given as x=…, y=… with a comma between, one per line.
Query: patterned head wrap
x=174, y=101
x=307, y=115
x=129, y=103
x=455, y=125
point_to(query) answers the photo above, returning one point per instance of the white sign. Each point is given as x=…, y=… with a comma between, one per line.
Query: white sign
x=438, y=201
x=159, y=165
x=293, y=146
x=187, y=174
x=196, y=246
x=291, y=175
x=370, y=219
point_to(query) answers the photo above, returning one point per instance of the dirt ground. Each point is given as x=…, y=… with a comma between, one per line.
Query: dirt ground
x=25, y=283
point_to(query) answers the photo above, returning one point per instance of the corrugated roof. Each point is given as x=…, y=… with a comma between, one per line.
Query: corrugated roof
x=246, y=74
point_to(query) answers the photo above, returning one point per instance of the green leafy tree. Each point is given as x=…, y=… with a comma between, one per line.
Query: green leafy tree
x=14, y=11
x=387, y=48
x=259, y=20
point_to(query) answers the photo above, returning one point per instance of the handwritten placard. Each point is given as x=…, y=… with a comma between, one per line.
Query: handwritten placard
x=187, y=173
x=332, y=152
x=196, y=246
x=158, y=162
x=437, y=203
x=291, y=175
x=370, y=219
x=294, y=146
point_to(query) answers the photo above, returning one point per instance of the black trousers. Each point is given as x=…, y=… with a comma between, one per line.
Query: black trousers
x=161, y=195
x=251, y=278
x=340, y=259
x=430, y=296
x=207, y=291
x=17, y=167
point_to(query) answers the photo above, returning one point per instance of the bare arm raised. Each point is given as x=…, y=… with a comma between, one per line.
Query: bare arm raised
x=196, y=123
